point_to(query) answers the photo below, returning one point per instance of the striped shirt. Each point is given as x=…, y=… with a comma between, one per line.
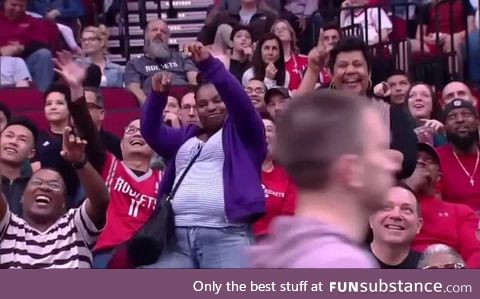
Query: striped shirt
x=66, y=244
x=200, y=199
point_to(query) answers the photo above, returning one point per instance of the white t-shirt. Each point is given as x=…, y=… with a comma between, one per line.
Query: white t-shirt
x=246, y=16
x=12, y=70
x=371, y=24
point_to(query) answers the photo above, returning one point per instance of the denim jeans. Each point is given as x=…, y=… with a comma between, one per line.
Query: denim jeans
x=474, y=56
x=206, y=248
x=40, y=65
x=102, y=258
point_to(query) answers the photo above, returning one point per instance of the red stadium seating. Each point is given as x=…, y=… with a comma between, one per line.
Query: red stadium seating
x=26, y=98
x=116, y=120
x=118, y=98
x=37, y=116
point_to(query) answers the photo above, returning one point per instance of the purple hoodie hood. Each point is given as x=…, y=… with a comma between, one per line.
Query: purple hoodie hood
x=297, y=242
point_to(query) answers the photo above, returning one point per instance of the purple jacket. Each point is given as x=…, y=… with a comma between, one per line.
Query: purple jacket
x=243, y=138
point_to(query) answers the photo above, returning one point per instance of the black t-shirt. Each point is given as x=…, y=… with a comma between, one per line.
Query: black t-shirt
x=237, y=68
x=410, y=262
x=112, y=144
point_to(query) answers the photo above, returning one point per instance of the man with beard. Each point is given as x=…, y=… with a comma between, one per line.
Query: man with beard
x=460, y=158
x=458, y=222
x=158, y=57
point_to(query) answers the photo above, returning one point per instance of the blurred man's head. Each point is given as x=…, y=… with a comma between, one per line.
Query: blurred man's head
x=321, y=147
x=399, y=85
x=156, y=40
x=44, y=197
x=457, y=90
x=133, y=145
x=277, y=100
x=188, y=110
x=15, y=9
x=461, y=124
x=95, y=104
x=399, y=221
x=440, y=256
x=17, y=142
x=256, y=90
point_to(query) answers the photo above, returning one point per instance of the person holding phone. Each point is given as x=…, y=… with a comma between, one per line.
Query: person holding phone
x=426, y=112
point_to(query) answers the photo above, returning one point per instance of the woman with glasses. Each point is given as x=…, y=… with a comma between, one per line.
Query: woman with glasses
x=440, y=256
x=94, y=46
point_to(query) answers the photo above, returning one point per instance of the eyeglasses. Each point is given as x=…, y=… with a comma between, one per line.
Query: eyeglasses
x=447, y=266
x=89, y=39
x=188, y=107
x=131, y=130
x=52, y=185
x=255, y=90
x=92, y=106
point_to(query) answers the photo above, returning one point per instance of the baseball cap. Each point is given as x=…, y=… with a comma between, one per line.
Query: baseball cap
x=456, y=104
x=276, y=90
x=425, y=147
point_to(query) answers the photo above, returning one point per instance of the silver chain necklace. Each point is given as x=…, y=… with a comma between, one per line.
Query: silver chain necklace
x=472, y=181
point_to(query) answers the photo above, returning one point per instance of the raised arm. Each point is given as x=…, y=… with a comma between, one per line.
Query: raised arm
x=164, y=140
x=241, y=111
x=74, y=75
x=73, y=151
x=316, y=61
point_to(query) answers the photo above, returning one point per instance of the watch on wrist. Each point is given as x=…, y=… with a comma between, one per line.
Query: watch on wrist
x=81, y=164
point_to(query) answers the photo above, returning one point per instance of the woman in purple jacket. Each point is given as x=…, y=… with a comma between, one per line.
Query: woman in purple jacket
x=221, y=195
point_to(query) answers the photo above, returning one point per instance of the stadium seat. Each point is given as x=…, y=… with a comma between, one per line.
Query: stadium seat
x=25, y=98
x=36, y=116
x=116, y=120
x=118, y=98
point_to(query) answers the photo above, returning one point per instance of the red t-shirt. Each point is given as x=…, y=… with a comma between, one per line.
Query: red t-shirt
x=280, y=194
x=296, y=66
x=24, y=30
x=132, y=201
x=451, y=224
x=455, y=183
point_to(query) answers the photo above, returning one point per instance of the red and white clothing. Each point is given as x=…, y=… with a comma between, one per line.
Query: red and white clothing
x=132, y=200
x=455, y=183
x=451, y=224
x=280, y=194
x=370, y=23
x=296, y=66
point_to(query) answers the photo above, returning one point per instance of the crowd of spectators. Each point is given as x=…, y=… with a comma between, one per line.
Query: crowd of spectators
x=207, y=131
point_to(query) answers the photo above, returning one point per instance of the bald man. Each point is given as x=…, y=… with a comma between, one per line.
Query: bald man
x=158, y=57
x=457, y=90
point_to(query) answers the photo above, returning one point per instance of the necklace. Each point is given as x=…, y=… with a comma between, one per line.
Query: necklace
x=471, y=176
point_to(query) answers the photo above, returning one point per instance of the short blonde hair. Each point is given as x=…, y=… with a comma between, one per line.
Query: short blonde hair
x=101, y=33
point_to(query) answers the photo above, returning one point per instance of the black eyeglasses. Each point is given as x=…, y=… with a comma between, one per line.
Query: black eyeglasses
x=447, y=266
x=92, y=106
x=131, y=130
x=52, y=185
x=255, y=90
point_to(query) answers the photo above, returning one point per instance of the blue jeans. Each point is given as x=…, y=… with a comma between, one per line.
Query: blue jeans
x=102, y=258
x=474, y=56
x=40, y=65
x=206, y=248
